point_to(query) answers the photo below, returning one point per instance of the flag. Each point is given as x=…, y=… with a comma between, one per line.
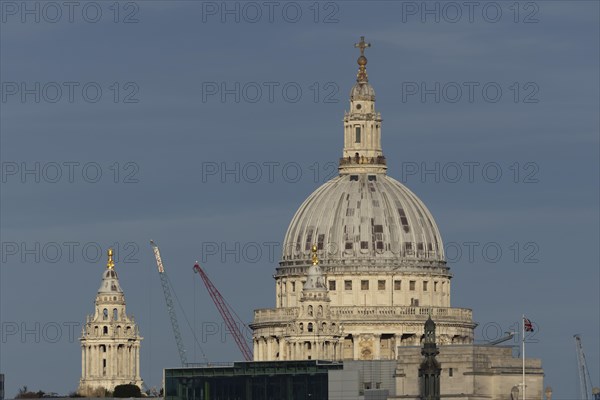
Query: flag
x=528, y=325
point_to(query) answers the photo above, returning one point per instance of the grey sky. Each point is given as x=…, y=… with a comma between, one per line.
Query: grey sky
x=175, y=52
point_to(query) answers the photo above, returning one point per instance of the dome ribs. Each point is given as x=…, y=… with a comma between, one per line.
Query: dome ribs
x=363, y=222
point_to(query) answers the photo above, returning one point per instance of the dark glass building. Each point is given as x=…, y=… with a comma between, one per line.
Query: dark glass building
x=265, y=380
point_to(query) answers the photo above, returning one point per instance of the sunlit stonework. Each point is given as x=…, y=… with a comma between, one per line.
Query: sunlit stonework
x=362, y=300
x=110, y=342
x=380, y=254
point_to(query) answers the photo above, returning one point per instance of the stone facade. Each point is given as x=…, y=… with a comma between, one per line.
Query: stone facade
x=379, y=259
x=380, y=254
x=471, y=372
x=110, y=341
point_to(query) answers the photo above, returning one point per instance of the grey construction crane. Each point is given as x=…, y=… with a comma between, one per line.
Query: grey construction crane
x=164, y=280
x=585, y=383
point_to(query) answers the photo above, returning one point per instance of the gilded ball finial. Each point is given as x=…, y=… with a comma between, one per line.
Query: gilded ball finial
x=111, y=263
x=315, y=258
x=362, y=60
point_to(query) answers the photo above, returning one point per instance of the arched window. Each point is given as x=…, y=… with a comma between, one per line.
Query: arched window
x=115, y=314
x=105, y=330
x=320, y=311
x=105, y=314
x=118, y=329
x=310, y=327
x=357, y=134
x=301, y=327
x=310, y=310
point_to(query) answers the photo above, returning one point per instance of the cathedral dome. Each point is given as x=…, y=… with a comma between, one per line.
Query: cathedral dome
x=363, y=219
x=110, y=280
x=362, y=91
x=363, y=262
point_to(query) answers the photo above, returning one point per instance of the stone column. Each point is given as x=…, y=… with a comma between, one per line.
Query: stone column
x=94, y=360
x=90, y=366
x=132, y=362
x=395, y=344
x=83, y=361
x=320, y=353
x=88, y=363
x=355, y=347
x=281, y=348
x=377, y=347
x=137, y=361
x=115, y=360
x=137, y=364
x=128, y=361
x=269, y=348
x=336, y=351
x=109, y=361
x=114, y=364
x=295, y=351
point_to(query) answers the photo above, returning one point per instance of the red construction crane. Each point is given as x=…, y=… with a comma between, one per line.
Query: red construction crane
x=226, y=312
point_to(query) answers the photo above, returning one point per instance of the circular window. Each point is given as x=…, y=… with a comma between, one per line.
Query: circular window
x=358, y=106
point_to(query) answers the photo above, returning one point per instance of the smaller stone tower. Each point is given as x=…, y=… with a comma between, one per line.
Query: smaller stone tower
x=430, y=369
x=110, y=341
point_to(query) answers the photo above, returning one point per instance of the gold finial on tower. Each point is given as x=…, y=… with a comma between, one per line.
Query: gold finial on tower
x=362, y=60
x=111, y=263
x=315, y=258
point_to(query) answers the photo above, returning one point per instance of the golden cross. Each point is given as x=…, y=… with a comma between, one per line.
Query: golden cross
x=362, y=45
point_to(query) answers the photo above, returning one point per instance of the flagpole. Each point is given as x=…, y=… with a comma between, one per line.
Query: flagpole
x=523, y=353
